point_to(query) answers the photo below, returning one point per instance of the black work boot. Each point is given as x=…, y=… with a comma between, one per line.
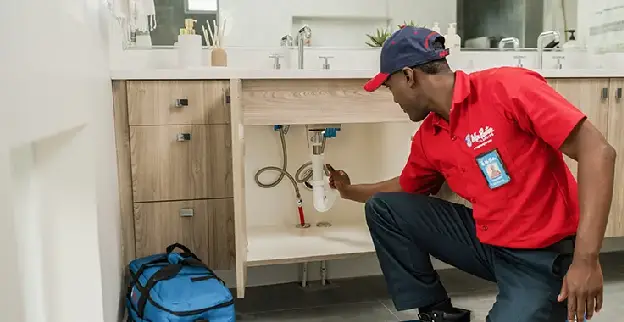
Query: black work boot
x=448, y=315
x=443, y=312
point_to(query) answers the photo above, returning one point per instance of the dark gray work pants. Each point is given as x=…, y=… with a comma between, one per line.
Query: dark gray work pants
x=407, y=228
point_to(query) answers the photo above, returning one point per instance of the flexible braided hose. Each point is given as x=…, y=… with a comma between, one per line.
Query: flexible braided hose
x=303, y=174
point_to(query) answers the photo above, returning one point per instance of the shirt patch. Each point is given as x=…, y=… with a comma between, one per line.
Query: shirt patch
x=480, y=138
x=493, y=169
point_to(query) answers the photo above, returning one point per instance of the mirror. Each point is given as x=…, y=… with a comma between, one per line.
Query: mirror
x=481, y=24
x=170, y=16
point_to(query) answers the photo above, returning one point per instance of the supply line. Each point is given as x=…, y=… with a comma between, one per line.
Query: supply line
x=303, y=174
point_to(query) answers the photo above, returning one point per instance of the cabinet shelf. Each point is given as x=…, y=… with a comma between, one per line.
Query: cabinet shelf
x=268, y=245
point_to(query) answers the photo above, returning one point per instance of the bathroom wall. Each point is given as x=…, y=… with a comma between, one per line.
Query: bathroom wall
x=605, y=20
x=59, y=209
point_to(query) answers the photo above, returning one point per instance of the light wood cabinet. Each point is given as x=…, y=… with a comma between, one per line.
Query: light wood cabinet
x=198, y=224
x=181, y=154
x=175, y=168
x=178, y=102
x=586, y=95
x=616, y=138
x=180, y=162
x=601, y=100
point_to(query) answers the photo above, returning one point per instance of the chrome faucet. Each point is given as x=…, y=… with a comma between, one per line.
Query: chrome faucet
x=509, y=40
x=286, y=41
x=540, y=44
x=303, y=39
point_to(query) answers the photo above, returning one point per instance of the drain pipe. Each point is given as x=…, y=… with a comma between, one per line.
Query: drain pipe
x=324, y=196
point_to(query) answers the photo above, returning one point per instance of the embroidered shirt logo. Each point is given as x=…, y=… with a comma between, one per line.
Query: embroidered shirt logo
x=480, y=138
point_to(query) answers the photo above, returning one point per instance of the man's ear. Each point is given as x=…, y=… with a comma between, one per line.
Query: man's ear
x=410, y=76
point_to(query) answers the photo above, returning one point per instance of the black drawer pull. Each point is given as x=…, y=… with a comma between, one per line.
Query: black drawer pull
x=181, y=137
x=181, y=102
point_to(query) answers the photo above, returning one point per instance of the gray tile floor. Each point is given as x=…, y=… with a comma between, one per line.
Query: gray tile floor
x=366, y=299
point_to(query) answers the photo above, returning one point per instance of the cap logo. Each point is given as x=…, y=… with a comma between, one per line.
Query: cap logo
x=428, y=37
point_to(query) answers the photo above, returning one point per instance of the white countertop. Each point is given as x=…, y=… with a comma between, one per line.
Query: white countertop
x=230, y=73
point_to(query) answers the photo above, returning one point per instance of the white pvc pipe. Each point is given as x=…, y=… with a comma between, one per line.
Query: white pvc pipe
x=324, y=196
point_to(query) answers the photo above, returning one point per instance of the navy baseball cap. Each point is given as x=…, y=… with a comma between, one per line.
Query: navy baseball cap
x=407, y=47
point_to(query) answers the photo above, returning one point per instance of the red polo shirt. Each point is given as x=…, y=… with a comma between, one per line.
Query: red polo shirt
x=500, y=151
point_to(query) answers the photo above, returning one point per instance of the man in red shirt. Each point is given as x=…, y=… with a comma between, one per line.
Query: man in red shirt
x=496, y=137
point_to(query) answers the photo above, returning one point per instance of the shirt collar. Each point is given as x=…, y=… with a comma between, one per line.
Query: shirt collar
x=461, y=91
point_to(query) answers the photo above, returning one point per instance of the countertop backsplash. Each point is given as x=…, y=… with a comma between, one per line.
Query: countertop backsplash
x=362, y=59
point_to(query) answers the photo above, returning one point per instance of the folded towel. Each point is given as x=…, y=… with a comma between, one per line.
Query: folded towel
x=150, y=10
x=136, y=15
x=119, y=9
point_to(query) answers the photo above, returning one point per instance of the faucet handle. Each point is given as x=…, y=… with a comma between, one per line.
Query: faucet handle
x=519, y=58
x=286, y=41
x=326, y=62
x=276, y=62
x=558, y=58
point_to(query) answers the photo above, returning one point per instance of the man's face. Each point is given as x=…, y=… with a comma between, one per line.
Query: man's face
x=407, y=92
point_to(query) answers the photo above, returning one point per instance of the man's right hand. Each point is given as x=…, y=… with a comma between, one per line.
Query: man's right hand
x=338, y=180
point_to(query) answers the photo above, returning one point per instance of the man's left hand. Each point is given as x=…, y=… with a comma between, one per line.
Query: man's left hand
x=582, y=286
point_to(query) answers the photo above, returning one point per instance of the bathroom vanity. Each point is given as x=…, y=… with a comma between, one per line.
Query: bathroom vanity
x=190, y=141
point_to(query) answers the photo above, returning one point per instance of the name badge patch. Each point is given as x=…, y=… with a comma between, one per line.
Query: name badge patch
x=493, y=169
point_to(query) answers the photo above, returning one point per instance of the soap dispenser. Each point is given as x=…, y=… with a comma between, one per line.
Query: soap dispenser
x=189, y=45
x=436, y=28
x=571, y=44
x=452, y=40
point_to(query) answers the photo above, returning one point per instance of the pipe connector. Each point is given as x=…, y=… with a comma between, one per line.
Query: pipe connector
x=323, y=195
x=318, y=142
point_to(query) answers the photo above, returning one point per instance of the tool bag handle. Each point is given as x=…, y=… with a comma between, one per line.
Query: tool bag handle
x=186, y=252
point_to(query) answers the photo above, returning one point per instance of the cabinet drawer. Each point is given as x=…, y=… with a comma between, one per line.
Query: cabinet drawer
x=205, y=226
x=177, y=102
x=165, y=169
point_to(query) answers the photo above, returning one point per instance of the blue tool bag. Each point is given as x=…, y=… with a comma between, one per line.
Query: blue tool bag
x=176, y=287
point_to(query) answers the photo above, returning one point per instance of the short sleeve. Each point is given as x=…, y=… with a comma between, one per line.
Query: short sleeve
x=537, y=108
x=419, y=175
